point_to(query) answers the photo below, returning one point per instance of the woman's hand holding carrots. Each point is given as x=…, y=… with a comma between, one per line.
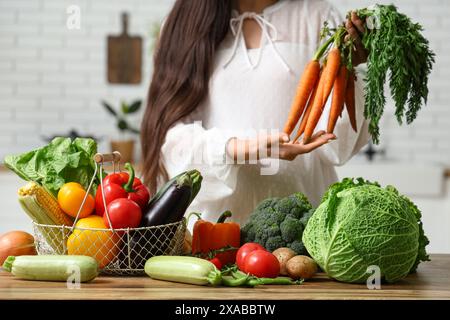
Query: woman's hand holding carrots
x=289, y=151
x=355, y=27
x=273, y=146
x=330, y=70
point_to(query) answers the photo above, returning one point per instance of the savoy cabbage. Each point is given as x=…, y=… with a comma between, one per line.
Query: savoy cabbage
x=359, y=224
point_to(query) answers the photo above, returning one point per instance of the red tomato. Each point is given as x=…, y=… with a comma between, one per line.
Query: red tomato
x=216, y=261
x=244, y=251
x=112, y=192
x=113, y=185
x=123, y=213
x=262, y=264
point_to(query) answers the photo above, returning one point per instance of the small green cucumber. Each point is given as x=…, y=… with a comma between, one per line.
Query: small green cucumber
x=52, y=267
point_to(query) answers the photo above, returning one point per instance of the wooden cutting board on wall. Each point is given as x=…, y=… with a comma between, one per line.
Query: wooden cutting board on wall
x=124, y=56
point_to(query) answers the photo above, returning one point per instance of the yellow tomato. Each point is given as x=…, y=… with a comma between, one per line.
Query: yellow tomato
x=102, y=245
x=70, y=198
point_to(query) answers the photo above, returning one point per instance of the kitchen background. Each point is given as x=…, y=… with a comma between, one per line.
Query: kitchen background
x=52, y=80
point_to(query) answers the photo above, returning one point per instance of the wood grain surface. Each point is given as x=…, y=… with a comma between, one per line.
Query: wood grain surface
x=432, y=281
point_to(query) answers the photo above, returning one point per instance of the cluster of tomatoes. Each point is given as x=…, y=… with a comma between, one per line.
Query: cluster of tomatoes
x=254, y=259
x=123, y=194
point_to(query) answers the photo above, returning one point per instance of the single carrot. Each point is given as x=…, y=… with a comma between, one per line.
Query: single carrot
x=325, y=86
x=350, y=100
x=302, y=125
x=337, y=102
x=305, y=87
x=315, y=109
x=333, y=64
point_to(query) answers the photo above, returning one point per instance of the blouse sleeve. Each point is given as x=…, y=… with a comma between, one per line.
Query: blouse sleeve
x=190, y=146
x=348, y=142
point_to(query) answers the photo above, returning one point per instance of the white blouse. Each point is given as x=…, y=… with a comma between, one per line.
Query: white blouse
x=251, y=91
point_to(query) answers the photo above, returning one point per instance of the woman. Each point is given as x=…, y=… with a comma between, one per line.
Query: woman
x=225, y=73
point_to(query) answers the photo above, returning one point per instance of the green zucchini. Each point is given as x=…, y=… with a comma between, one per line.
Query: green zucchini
x=51, y=267
x=183, y=269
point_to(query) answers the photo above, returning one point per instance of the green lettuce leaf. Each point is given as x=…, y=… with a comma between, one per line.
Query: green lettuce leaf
x=61, y=161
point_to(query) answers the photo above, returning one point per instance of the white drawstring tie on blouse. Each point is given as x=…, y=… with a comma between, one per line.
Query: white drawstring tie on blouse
x=236, y=25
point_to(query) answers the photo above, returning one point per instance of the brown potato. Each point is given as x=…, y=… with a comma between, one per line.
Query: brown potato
x=301, y=267
x=283, y=255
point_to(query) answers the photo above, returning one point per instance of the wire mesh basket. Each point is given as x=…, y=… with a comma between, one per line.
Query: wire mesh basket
x=117, y=251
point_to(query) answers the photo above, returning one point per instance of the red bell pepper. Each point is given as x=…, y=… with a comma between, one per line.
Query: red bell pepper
x=207, y=237
x=122, y=185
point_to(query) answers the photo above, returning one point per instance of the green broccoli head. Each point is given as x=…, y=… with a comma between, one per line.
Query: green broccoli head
x=274, y=243
x=279, y=222
x=291, y=229
x=306, y=216
x=252, y=231
x=298, y=247
x=248, y=233
x=296, y=204
x=267, y=204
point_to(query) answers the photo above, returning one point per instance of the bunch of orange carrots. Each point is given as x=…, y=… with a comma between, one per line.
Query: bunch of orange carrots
x=330, y=70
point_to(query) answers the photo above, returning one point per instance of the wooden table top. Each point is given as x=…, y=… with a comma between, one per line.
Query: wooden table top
x=432, y=281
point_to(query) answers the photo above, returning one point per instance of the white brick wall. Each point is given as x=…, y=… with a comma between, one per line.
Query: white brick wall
x=52, y=78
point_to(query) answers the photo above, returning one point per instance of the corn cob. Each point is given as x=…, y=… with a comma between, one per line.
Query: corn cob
x=43, y=208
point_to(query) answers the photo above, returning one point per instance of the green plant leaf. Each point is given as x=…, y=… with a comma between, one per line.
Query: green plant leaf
x=125, y=107
x=133, y=130
x=135, y=106
x=122, y=125
x=109, y=108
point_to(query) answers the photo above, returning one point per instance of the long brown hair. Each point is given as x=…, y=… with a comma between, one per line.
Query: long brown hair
x=183, y=63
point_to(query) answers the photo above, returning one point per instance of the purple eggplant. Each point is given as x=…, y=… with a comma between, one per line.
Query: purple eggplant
x=171, y=205
x=167, y=206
